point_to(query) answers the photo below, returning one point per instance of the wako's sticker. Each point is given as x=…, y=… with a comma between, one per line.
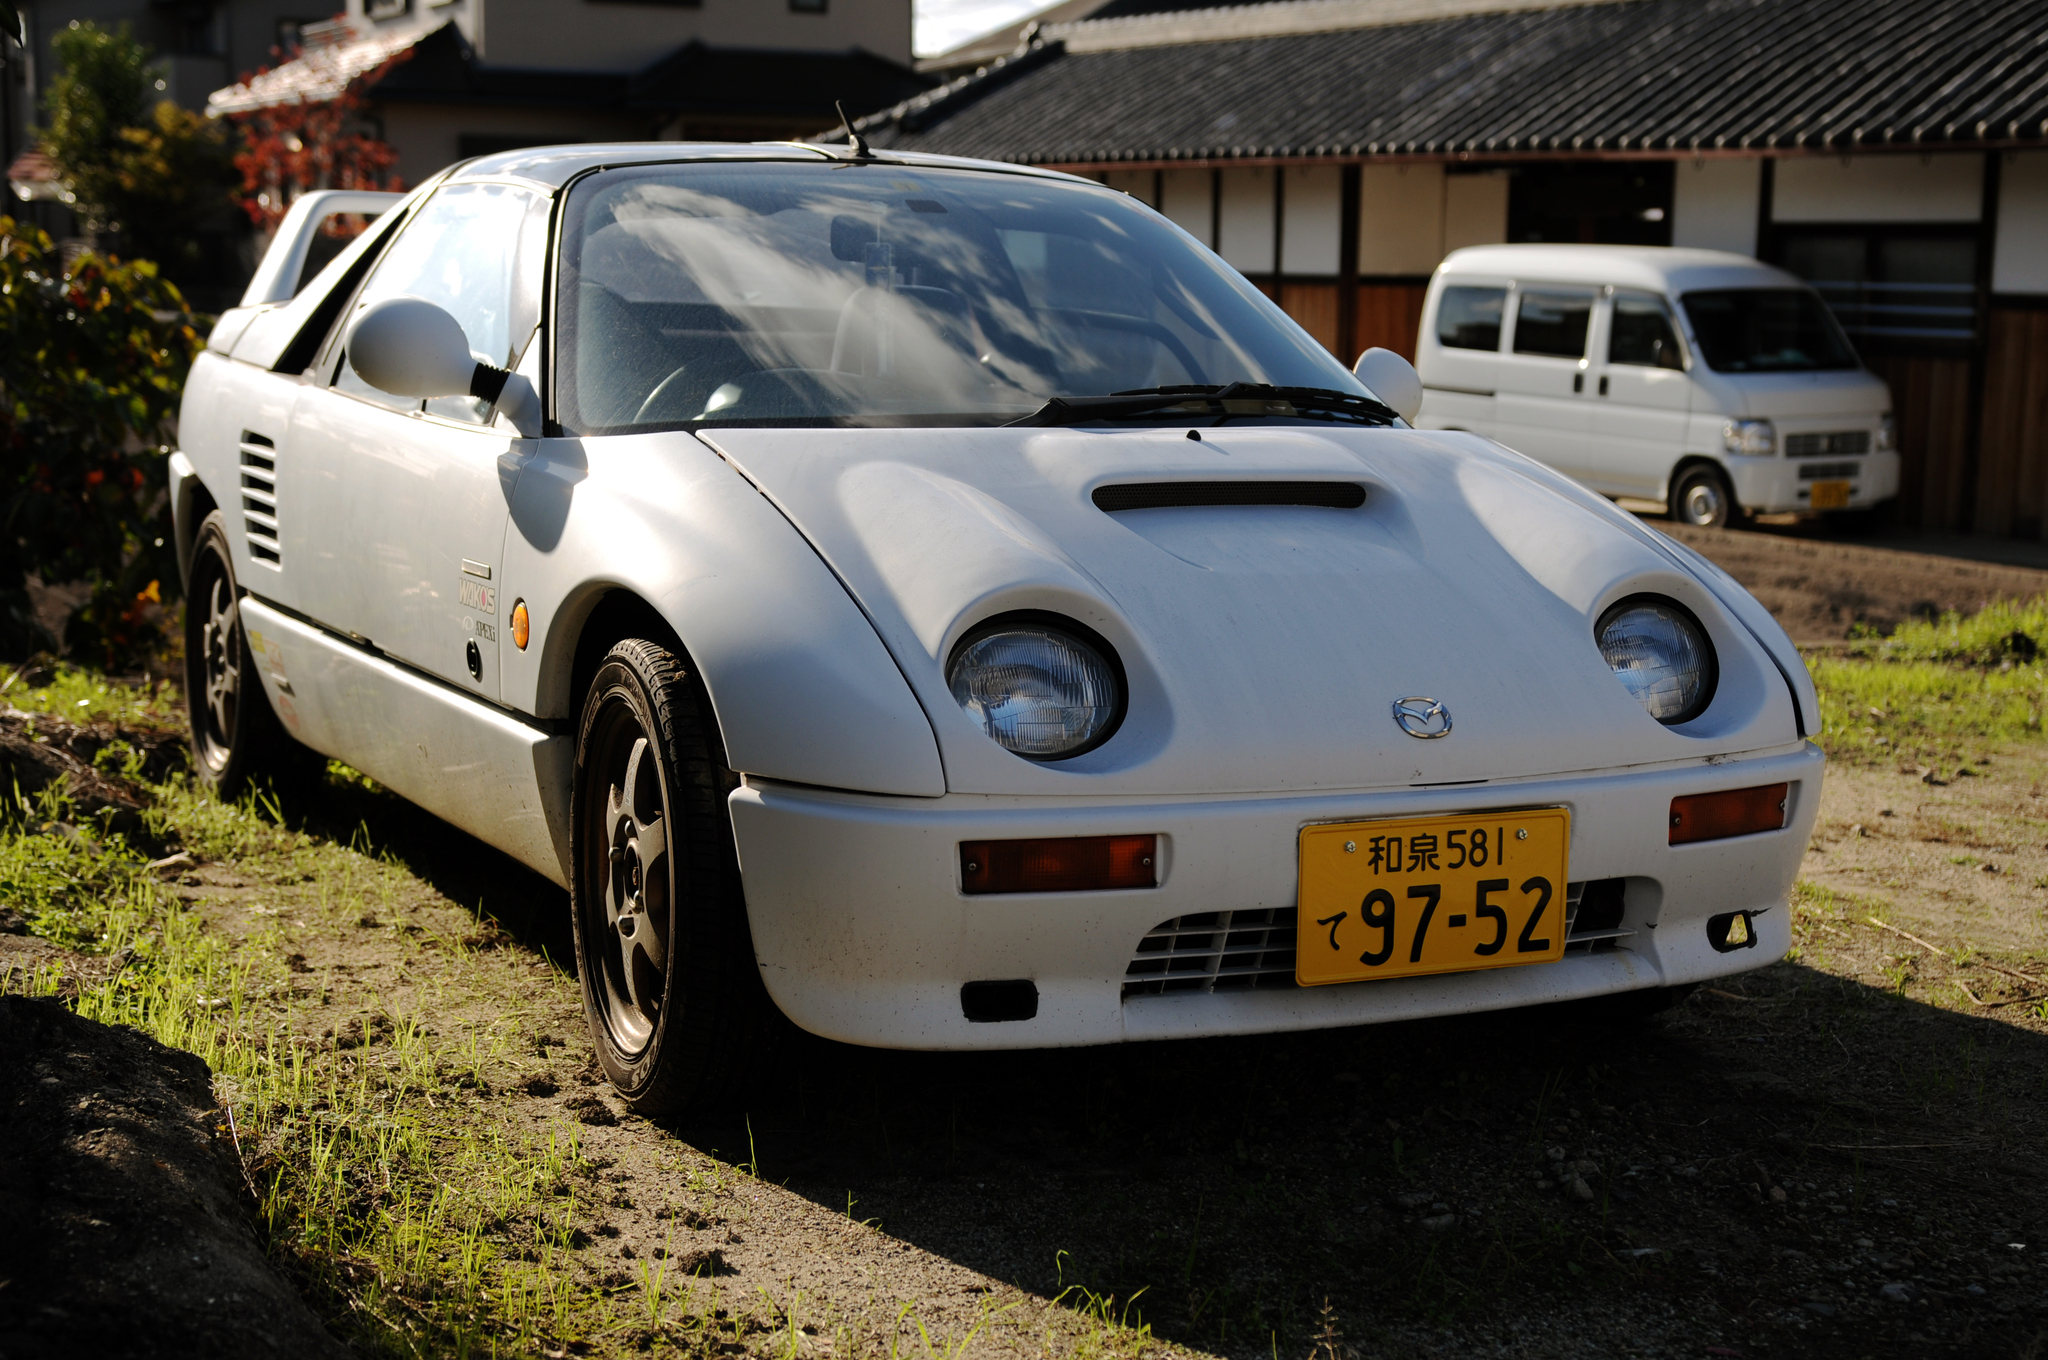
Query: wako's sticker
x=478, y=596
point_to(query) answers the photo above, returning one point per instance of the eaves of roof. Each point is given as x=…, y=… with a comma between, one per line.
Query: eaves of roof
x=1598, y=77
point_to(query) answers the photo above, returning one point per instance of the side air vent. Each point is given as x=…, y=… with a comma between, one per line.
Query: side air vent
x=1158, y=495
x=259, y=497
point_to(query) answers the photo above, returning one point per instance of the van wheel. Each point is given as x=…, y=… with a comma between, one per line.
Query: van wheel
x=1702, y=497
x=671, y=991
x=235, y=736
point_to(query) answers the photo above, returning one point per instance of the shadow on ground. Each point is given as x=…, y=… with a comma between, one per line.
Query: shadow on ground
x=1791, y=1164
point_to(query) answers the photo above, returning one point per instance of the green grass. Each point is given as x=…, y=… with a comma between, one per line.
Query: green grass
x=1937, y=693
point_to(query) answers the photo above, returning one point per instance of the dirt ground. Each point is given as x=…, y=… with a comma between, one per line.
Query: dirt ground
x=1834, y=1156
x=1820, y=588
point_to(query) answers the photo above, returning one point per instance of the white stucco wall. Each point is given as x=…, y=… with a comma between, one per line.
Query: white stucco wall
x=1312, y=224
x=1247, y=243
x=1475, y=210
x=1894, y=188
x=1714, y=204
x=1401, y=218
x=1188, y=198
x=2019, y=263
x=589, y=35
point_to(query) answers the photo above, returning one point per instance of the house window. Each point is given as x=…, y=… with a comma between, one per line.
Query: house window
x=1893, y=287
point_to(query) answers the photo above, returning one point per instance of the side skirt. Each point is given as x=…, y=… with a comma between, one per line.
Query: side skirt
x=504, y=781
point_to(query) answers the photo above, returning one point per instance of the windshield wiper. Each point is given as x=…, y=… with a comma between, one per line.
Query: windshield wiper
x=1224, y=401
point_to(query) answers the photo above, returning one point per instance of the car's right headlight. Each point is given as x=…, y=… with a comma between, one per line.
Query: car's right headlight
x=1887, y=435
x=1040, y=689
x=1749, y=437
x=1661, y=655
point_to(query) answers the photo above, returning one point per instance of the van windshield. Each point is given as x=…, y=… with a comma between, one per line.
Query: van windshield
x=885, y=294
x=1767, y=330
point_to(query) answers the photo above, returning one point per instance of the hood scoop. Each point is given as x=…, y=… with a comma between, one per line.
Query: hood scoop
x=1161, y=495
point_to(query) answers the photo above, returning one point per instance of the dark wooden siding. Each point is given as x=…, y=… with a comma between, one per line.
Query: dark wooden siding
x=2012, y=469
x=1931, y=405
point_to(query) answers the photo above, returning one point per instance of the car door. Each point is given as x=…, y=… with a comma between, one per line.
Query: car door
x=402, y=504
x=1642, y=398
x=1458, y=356
x=1540, y=407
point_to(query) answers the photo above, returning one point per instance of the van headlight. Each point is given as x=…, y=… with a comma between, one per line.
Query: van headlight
x=1661, y=655
x=1750, y=437
x=1887, y=440
x=1042, y=689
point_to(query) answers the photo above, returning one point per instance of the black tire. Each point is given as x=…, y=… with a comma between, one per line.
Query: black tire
x=236, y=738
x=653, y=872
x=1702, y=497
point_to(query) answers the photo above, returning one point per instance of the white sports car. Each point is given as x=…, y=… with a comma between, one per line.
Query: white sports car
x=945, y=600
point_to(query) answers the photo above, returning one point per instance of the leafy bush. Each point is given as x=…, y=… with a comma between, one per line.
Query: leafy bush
x=2003, y=632
x=93, y=358
x=145, y=172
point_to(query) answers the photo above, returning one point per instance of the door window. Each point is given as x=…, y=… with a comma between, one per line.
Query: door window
x=1469, y=318
x=1553, y=323
x=1641, y=334
x=462, y=252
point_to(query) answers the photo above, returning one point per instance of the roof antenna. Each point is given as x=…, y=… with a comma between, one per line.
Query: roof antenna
x=853, y=139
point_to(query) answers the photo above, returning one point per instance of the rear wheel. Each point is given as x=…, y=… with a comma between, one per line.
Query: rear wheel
x=1701, y=496
x=235, y=735
x=670, y=988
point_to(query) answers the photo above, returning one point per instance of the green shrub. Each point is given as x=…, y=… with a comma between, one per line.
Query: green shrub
x=93, y=358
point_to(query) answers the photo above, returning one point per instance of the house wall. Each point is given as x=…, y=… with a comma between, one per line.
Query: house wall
x=2020, y=258
x=1245, y=219
x=1714, y=205
x=428, y=137
x=1401, y=218
x=1889, y=188
x=620, y=35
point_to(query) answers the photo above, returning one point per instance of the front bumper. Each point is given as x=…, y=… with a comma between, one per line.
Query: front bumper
x=1771, y=484
x=863, y=934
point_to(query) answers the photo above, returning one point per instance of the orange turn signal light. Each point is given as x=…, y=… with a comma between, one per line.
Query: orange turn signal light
x=1059, y=864
x=1733, y=812
x=520, y=625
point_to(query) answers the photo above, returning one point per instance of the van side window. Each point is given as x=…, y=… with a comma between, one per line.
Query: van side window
x=1642, y=335
x=1553, y=324
x=1469, y=318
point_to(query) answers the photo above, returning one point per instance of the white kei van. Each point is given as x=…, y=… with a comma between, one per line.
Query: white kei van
x=1705, y=380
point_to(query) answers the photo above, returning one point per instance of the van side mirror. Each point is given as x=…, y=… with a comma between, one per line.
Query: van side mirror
x=409, y=347
x=1392, y=379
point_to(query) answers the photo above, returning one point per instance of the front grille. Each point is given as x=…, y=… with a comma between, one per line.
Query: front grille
x=1215, y=951
x=1809, y=472
x=259, y=497
x=1818, y=445
x=1218, y=951
x=1155, y=495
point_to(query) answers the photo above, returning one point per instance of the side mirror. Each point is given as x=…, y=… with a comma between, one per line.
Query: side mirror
x=1393, y=380
x=409, y=347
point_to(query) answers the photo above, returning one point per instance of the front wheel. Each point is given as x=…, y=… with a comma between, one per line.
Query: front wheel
x=1702, y=497
x=670, y=988
x=235, y=736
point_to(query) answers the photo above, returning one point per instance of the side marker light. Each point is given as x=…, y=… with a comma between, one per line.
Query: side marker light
x=1059, y=864
x=521, y=627
x=1732, y=812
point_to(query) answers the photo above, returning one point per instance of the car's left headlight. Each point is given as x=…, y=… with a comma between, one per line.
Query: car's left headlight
x=1659, y=652
x=1042, y=689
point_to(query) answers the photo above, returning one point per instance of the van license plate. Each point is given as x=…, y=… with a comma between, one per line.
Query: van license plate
x=1431, y=895
x=1830, y=496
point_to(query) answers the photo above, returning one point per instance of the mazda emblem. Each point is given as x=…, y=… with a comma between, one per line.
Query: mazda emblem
x=1422, y=717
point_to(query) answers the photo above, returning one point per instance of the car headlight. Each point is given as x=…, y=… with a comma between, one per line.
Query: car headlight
x=1042, y=690
x=1749, y=437
x=1661, y=654
x=1887, y=435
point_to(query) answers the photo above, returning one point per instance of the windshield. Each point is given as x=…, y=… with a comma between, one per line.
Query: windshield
x=1767, y=330
x=879, y=294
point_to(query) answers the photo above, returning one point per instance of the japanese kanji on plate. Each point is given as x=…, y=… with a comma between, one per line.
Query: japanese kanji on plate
x=1419, y=895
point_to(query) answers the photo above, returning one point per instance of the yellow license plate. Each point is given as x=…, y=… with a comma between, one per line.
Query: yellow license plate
x=1431, y=895
x=1830, y=496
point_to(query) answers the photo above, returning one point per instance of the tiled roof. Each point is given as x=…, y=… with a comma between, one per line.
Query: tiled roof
x=1419, y=77
x=321, y=73
x=697, y=78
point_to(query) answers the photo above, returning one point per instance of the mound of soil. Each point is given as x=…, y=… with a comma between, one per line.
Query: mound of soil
x=124, y=1219
x=37, y=750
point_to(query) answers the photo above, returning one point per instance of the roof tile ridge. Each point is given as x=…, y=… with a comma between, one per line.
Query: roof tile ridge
x=1280, y=18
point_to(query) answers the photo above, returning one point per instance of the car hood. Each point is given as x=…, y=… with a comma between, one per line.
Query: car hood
x=1857, y=396
x=1264, y=645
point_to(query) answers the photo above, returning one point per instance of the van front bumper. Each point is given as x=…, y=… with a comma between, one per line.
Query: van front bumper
x=1772, y=484
x=863, y=934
